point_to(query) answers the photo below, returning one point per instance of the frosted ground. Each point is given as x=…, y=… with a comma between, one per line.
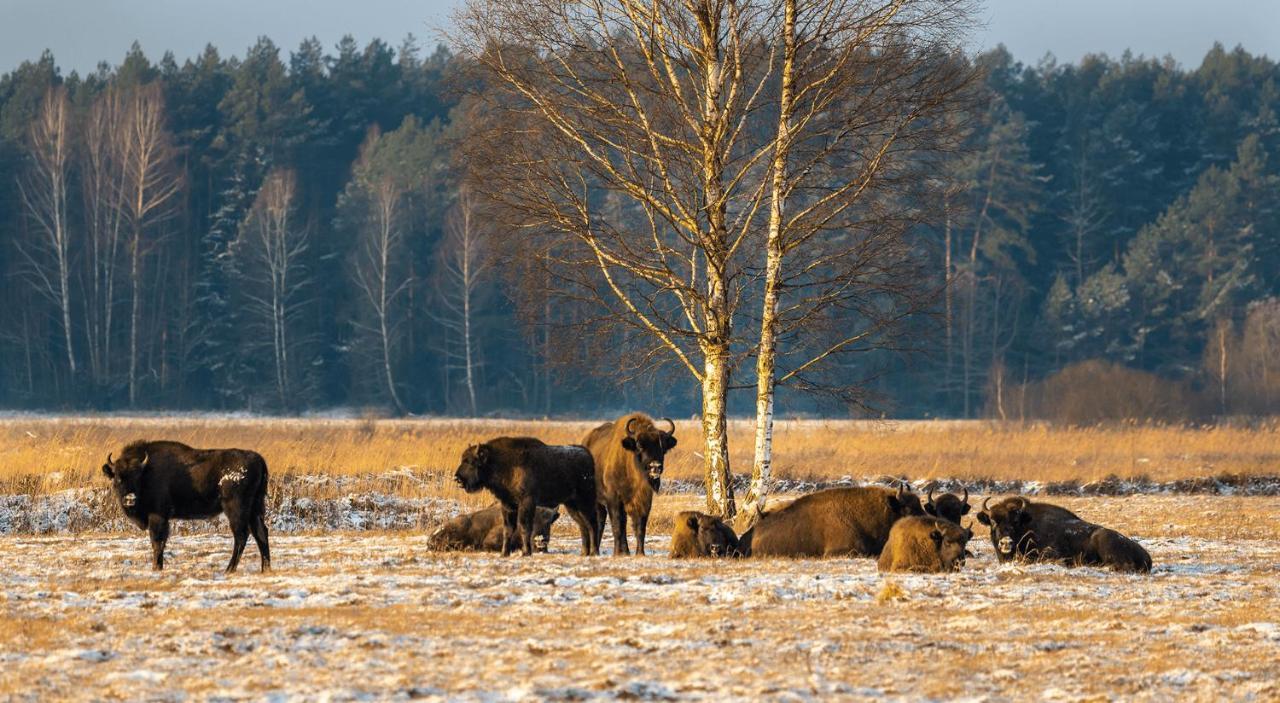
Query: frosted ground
x=376, y=616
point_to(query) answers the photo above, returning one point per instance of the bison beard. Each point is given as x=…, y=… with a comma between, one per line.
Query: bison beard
x=1021, y=529
x=834, y=522
x=484, y=530
x=523, y=473
x=700, y=535
x=161, y=481
x=629, y=455
x=925, y=545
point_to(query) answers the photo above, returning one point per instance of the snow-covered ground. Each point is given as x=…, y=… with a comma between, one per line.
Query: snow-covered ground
x=376, y=616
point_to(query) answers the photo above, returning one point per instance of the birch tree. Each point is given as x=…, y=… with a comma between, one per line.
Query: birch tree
x=464, y=265
x=102, y=185
x=273, y=247
x=44, y=195
x=865, y=95
x=646, y=103
x=151, y=183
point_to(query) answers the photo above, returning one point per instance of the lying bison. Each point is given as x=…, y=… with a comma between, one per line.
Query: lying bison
x=523, y=473
x=629, y=454
x=1021, y=529
x=834, y=522
x=925, y=545
x=161, y=481
x=484, y=530
x=700, y=535
x=948, y=506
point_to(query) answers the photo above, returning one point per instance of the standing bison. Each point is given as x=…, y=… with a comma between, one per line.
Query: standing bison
x=700, y=535
x=629, y=454
x=834, y=522
x=524, y=474
x=1021, y=529
x=161, y=481
x=484, y=530
x=926, y=545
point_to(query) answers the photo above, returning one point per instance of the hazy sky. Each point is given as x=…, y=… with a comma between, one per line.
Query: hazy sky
x=83, y=32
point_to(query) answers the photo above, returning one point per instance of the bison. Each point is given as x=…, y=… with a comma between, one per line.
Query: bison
x=835, y=522
x=926, y=545
x=161, y=481
x=629, y=454
x=701, y=535
x=1021, y=529
x=483, y=530
x=948, y=506
x=523, y=473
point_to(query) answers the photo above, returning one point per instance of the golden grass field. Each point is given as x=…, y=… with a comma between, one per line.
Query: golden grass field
x=364, y=614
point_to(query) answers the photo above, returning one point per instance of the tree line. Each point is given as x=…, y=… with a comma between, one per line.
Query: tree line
x=285, y=231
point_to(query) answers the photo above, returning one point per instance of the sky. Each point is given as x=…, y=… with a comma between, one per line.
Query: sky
x=83, y=32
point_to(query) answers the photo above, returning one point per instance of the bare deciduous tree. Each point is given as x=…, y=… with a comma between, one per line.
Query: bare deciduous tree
x=464, y=264
x=44, y=195
x=273, y=247
x=151, y=182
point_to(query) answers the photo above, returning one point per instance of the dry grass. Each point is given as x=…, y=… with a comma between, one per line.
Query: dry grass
x=40, y=454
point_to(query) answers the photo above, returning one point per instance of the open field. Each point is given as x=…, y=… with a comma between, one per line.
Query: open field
x=377, y=616
x=390, y=473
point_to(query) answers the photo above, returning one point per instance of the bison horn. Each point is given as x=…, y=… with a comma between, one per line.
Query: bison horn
x=965, y=499
x=931, y=489
x=109, y=458
x=671, y=424
x=984, y=503
x=1022, y=503
x=145, y=457
x=902, y=490
x=628, y=428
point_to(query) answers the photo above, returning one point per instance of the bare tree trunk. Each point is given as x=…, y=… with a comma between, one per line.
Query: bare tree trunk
x=44, y=194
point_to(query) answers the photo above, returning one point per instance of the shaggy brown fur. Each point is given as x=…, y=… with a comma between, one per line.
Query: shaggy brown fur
x=834, y=522
x=700, y=535
x=523, y=473
x=1021, y=529
x=925, y=545
x=629, y=455
x=483, y=530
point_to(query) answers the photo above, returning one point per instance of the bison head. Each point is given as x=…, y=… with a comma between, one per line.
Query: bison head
x=1010, y=524
x=947, y=506
x=649, y=445
x=127, y=474
x=905, y=503
x=473, y=472
x=951, y=541
x=543, y=519
x=714, y=538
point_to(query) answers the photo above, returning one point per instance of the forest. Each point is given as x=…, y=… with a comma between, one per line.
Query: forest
x=288, y=231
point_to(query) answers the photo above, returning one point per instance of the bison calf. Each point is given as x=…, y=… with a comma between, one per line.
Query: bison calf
x=484, y=530
x=1021, y=529
x=523, y=473
x=834, y=522
x=701, y=535
x=161, y=481
x=926, y=545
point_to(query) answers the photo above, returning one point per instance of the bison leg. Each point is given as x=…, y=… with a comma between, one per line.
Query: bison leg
x=618, y=518
x=640, y=524
x=259, y=527
x=586, y=528
x=508, y=528
x=527, y=510
x=158, y=527
x=602, y=516
x=239, y=522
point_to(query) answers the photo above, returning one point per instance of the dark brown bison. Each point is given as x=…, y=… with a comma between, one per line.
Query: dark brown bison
x=523, y=473
x=834, y=522
x=947, y=506
x=925, y=544
x=629, y=454
x=161, y=481
x=700, y=535
x=1023, y=530
x=483, y=530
